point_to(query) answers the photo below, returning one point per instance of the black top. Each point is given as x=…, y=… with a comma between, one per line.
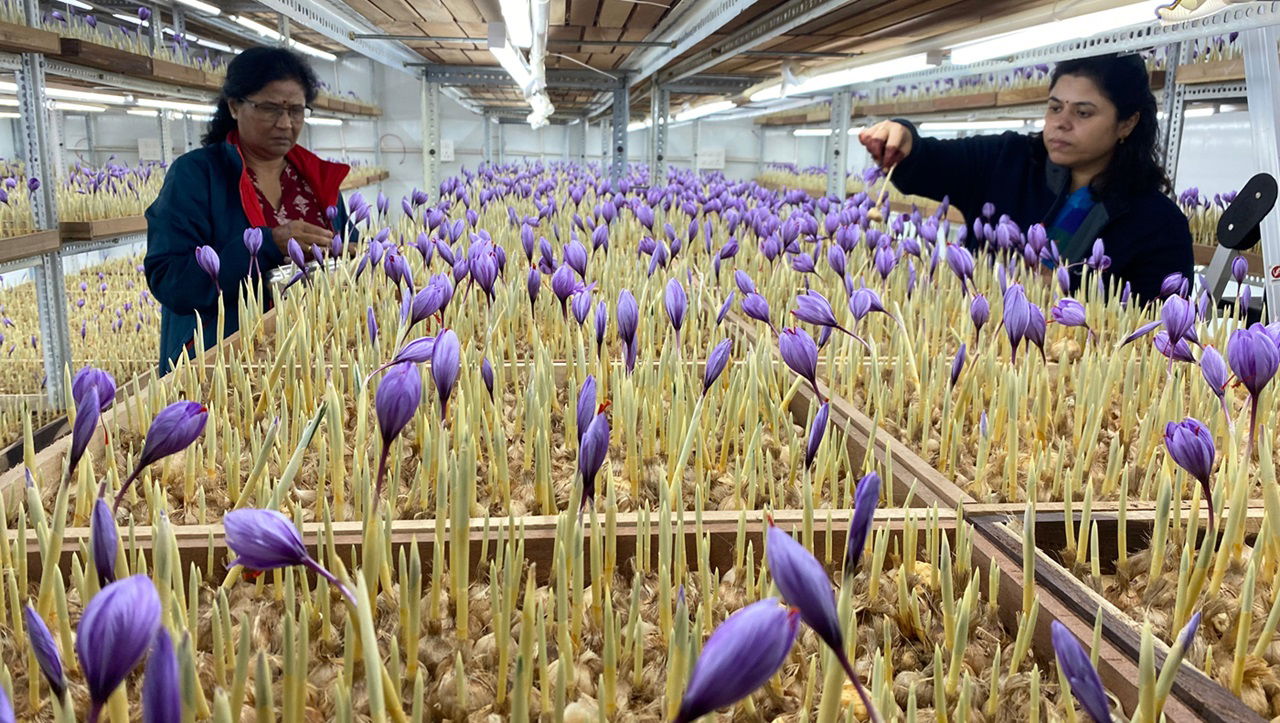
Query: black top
x=1146, y=236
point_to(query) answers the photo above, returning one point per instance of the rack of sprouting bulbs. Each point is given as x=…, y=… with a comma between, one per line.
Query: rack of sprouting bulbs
x=631, y=362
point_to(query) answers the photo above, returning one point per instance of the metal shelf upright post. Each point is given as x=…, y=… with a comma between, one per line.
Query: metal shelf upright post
x=621, y=117
x=1262, y=83
x=659, y=107
x=838, y=142
x=51, y=289
x=431, y=136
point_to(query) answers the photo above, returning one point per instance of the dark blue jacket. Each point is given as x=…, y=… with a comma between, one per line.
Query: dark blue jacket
x=208, y=199
x=1146, y=236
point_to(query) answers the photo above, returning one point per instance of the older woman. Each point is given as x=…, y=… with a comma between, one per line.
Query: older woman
x=249, y=173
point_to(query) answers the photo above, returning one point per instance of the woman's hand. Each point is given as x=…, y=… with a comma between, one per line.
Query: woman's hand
x=888, y=143
x=306, y=234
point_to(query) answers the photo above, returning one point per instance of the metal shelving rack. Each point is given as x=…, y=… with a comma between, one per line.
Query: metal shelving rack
x=40, y=131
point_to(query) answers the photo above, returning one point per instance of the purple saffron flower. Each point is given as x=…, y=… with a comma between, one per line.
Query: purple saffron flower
x=486, y=374
x=586, y=405
x=1214, y=370
x=816, y=433
x=372, y=321
x=87, y=413
x=415, y=352
x=445, y=363
x=756, y=307
x=1080, y=674
x=1239, y=269
x=105, y=540
x=267, y=540
x=803, y=263
x=575, y=257
x=724, y=308
x=1254, y=358
x=744, y=282
x=961, y=263
x=114, y=633
x=396, y=401
x=1069, y=312
x=46, y=652
x=717, y=360
x=602, y=324
x=813, y=308
x=208, y=260
x=741, y=655
x=296, y=255
x=1017, y=317
x=144, y=13
x=800, y=352
x=1178, y=317
x=175, y=428
x=628, y=313
x=865, y=499
x=804, y=584
x=1190, y=445
x=533, y=284
x=979, y=312
x=1173, y=285
x=957, y=364
x=161, y=689
x=253, y=243
x=677, y=303
x=592, y=452
x=563, y=285
x=33, y=184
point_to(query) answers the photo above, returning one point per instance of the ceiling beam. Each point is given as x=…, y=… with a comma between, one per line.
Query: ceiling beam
x=782, y=19
x=688, y=29
x=484, y=41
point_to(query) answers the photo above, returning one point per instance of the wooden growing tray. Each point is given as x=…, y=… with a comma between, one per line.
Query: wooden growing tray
x=1205, y=698
x=16, y=38
x=1217, y=71
x=967, y=101
x=204, y=547
x=105, y=57
x=28, y=245
x=177, y=73
x=104, y=228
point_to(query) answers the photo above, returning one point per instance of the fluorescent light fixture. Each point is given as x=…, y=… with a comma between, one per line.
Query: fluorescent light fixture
x=176, y=105
x=143, y=113
x=634, y=126
x=11, y=102
x=215, y=45
x=1232, y=108
x=62, y=105
x=9, y=115
x=201, y=6
x=811, y=132
x=69, y=94
x=256, y=27
x=199, y=118
x=130, y=19
x=77, y=4
x=313, y=121
x=313, y=52
x=705, y=109
x=1056, y=31
x=1199, y=112
x=517, y=17
x=769, y=92
x=991, y=125
x=864, y=73
x=512, y=62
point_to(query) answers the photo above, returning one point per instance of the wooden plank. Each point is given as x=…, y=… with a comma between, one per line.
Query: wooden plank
x=176, y=73
x=1217, y=71
x=1199, y=697
x=28, y=245
x=966, y=101
x=1204, y=254
x=465, y=11
x=557, y=12
x=614, y=14
x=16, y=38
x=583, y=12
x=104, y=57
x=103, y=228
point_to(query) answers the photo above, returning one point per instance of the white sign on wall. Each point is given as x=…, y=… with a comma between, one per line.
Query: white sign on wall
x=711, y=159
x=149, y=149
x=446, y=150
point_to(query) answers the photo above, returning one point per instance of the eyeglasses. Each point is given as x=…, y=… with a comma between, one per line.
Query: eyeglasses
x=273, y=111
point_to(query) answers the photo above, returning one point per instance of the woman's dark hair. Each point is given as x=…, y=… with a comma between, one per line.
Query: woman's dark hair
x=251, y=71
x=1123, y=79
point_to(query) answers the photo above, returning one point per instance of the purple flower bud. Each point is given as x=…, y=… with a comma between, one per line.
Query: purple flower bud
x=602, y=324
x=208, y=260
x=1190, y=445
x=296, y=255
x=741, y=655
x=1178, y=317
x=979, y=312
x=87, y=413
x=716, y=362
x=46, y=652
x=563, y=285
x=804, y=584
x=865, y=499
x=372, y=321
x=957, y=364
x=267, y=540
x=1173, y=285
x=863, y=301
x=1239, y=269
x=592, y=451
x=105, y=541
x=144, y=13
x=961, y=263
x=677, y=303
x=1253, y=357
x=445, y=364
x=114, y=633
x=161, y=689
x=744, y=282
x=33, y=184
x=724, y=308
x=1214, y=370
x=803, y=263
x=1076, y=667
x=628, y=316
x=586, y=405
x=800, y=352
x=253, y=240
x=575, y=257
x=816, y=433
x=813, y=308
x=92, y=378
x=755, y=306
x=174, y=429
x=396, y=401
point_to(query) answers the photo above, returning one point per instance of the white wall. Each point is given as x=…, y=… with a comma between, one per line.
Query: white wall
x=1217, y=153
